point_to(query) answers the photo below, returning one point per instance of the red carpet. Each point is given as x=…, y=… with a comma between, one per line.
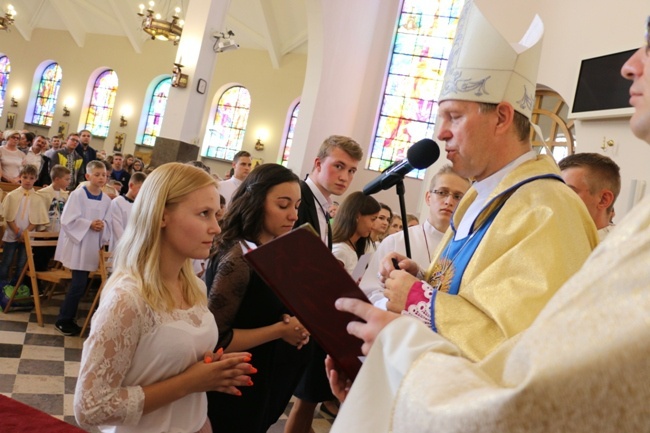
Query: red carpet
x=16, y=417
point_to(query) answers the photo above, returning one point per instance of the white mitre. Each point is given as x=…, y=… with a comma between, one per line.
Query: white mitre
x=484, y=67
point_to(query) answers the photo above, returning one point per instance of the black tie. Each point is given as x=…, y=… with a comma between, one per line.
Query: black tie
x=329, y=230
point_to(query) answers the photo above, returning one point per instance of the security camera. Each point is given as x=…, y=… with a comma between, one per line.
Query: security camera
x=222, y=35
x=226, y=45
x=224, y=41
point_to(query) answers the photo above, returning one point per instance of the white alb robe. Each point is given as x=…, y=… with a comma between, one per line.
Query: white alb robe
x=120, y=211
x=78, y=245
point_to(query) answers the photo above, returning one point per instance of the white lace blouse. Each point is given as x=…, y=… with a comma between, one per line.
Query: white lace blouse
x=131, y=346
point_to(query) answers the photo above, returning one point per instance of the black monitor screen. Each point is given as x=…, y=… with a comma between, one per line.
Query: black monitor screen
x=600, y=84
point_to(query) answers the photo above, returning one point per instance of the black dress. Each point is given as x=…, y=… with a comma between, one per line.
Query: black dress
x=239, y=299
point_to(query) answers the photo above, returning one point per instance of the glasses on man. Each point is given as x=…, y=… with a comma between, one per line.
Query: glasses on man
x=15, y=137
x=444, y=194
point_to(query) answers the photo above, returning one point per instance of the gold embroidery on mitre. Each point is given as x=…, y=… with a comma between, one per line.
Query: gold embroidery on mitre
x=441, y=275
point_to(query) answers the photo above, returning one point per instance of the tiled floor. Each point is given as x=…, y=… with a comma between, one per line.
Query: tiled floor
x=39, y=366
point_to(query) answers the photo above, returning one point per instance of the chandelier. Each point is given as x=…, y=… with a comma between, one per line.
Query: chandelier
x=158, y=28
x=8, y=18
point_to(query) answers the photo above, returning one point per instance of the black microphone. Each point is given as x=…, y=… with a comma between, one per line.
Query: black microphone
x=420, y=155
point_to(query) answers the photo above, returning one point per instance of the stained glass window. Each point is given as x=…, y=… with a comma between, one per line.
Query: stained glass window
x=226, y=134
x=5, y=69
x=423, y=39
x=101, y=104
x=289, y=139
x=48, y=91
x=156, y=111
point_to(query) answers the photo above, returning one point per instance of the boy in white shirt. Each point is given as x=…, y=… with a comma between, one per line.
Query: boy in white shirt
x=21, y=211
x=85, y=228
x=121, y=208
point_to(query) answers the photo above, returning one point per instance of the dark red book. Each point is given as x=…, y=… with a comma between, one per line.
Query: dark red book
x=308, y=279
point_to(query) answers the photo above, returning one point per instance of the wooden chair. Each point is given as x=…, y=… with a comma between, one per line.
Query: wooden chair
x=104, y=271
x=53, y=276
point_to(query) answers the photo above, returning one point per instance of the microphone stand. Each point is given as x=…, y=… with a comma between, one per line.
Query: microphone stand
x=402, y=207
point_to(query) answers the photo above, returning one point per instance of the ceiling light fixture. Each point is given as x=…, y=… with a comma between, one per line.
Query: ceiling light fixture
x=8, y=18
x=158, y=28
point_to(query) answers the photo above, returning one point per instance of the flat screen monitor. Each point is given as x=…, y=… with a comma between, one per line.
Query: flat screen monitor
x=601, y=91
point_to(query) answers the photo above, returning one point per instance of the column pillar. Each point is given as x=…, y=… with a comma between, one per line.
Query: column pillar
x=342, y=51
x=179, y=136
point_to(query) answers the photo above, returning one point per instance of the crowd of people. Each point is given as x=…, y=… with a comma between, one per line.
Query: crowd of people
x=68, y=188
x=521, y=307
x=44, y=153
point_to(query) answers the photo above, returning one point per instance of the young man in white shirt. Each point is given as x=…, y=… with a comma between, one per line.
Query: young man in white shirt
x=241, y=164
x=445, y=191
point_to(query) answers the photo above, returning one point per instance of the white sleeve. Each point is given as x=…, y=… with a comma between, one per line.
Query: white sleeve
x=100, y=397
x=370, y=284
x=72, y=218
x=345, y=255
x=108, y=223
x=117, y=223
x=370, y=404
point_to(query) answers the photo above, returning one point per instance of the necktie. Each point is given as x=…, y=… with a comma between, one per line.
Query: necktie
x=329, y=230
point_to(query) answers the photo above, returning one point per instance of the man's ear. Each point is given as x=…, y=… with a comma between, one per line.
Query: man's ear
x=606, y=199
x=317, y=163
x=505, y=116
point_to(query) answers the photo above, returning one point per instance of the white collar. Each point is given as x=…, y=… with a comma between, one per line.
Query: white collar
x=487, y=185
x=429, y=228
x=318, y=195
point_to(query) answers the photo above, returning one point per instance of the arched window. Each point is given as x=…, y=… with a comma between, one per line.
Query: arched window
x=101, y=104
x=226, y=134
x=5, y=69
x=48, y=91
x=288, y=140
x=423, y=40
x=156, y=112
